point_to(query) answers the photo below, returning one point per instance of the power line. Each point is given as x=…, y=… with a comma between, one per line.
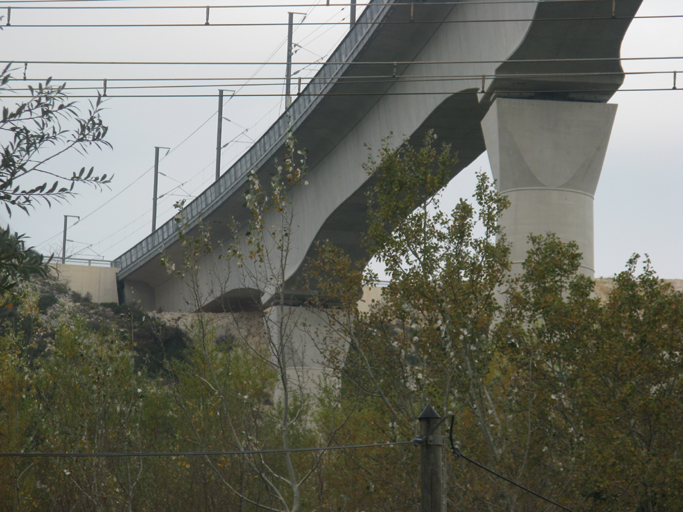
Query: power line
x=374, y=79
x=343, y=62
x=268, y=80
x=171, y=151
x=108, y=200
x=100, y=206
x=197, y=453
x=364, y=79
x=457, y=453
x=306, y=38
x=13, y=4
x=339, y=23
x=526, y=91
x=292, y=5
x=193, y=194
x=362, y=94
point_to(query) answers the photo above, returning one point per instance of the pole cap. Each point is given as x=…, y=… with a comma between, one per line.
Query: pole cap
x=428, y=413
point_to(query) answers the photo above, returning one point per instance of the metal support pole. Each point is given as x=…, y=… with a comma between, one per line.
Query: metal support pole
x=219, y=142
x=66, y=220
x=430, y=462
x=353, y=12
x=64, y=242
x=290, y=51
x=156, y=186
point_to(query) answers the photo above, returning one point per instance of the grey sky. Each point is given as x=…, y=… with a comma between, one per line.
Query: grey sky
x=638, y=205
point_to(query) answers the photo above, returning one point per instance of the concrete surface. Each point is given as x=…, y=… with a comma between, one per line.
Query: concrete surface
x=99, y=282
x=296, y=335
x=546, y=157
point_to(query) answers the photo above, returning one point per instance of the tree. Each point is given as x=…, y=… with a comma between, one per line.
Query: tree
x=16, y=261
x=431, y=337
x=72, y=387
x=574, y=398
x=239, y=392
x=33, y=134
x=37, y=131
x=606, y=379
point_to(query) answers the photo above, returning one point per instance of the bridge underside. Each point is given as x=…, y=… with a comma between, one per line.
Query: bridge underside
x=553, y=51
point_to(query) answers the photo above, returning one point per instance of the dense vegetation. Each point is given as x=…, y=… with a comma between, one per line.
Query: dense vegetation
x=579, y=398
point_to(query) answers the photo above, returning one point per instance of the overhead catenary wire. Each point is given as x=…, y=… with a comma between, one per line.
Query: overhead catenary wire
x=341, y=79
x=354, y=80
x=527, y=91
x=343, y=62
x=307, y=39
x=333, y=23
x=83, y=4
x=273, y=53
x=119, y=193
x=316, y=63
x=83, y=218
x=140, y=177
x=357, y=94
x=364, y=79
x=374, y=79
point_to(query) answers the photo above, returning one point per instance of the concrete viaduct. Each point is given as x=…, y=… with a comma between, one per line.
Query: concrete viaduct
x=527, y=81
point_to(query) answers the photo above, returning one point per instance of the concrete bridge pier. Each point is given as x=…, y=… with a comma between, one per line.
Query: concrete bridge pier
x=296, y=335
x=546, y=156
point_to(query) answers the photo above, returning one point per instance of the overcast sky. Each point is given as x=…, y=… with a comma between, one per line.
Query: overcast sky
x=638, y=205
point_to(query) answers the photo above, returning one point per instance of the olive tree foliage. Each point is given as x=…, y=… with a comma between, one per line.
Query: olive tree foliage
x=17, y=262
x=34, y=132
x=37, y=130
x=253, y=399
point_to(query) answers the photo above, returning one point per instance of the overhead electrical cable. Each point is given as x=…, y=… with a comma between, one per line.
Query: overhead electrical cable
x=360, y=94
x=305, y=40
x=458, y=454
x=364, y=79
x=208, y=180
x=82, y=455
x=343, y=62
x=105, y=203
x=334, y=23
x=83, y=4
x=525, y=91
x=375, y=79
x=171, y=151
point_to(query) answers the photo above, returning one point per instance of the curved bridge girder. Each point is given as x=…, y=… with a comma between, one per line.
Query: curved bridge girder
x=547, y=50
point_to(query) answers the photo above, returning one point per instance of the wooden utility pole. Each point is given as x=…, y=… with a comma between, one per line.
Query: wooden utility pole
x=430, y=461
